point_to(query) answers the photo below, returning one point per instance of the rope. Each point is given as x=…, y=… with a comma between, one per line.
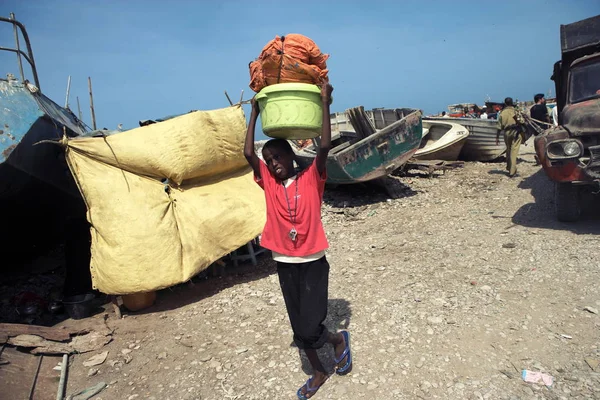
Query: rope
x=281, y=60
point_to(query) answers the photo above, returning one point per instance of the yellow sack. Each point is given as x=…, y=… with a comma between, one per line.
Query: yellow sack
x=147, y=235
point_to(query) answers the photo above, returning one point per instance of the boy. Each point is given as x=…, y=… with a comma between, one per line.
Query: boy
x=294, y=233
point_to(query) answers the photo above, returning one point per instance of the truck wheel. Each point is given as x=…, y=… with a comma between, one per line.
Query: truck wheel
x=567, y=200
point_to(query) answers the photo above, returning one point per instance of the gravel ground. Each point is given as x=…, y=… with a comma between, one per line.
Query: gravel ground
x=449, y=292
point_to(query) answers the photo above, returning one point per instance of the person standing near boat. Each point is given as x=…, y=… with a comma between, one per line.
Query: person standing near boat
x=514, y=134
x=295, y=235
x=539, y=111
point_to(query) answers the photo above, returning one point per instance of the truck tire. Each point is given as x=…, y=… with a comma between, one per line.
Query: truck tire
x=567, y=200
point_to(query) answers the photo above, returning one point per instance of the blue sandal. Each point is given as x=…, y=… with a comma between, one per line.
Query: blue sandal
x=309, y=390
x=346, y=368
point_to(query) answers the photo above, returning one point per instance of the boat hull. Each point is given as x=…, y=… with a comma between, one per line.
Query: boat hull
x=374, y=156
x=445, y=148
x=481, y=142
x=30, y=117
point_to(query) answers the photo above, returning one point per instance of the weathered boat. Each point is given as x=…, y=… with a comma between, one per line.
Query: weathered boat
x=379, y=142
x=442, y=140
x=35, y=182
x=481, y=142
x=29, y=117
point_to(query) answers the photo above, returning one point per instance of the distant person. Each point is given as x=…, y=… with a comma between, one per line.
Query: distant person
x=555, y=115
x=539, y=111
x=444, y=115
x=483, y=114
x=514, y=134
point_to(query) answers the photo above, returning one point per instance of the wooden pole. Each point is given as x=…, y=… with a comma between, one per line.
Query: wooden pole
x=92, y=103
x=79, y=109
x=68, y=91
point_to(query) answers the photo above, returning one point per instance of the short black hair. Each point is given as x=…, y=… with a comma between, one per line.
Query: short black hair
x=508, y=101
x=280, y=144
x=538, y=97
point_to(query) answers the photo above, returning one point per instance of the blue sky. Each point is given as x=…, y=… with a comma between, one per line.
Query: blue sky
x=149, y=59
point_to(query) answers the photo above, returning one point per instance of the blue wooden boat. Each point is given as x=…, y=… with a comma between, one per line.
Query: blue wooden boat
x=29, y=117
x=38, y=196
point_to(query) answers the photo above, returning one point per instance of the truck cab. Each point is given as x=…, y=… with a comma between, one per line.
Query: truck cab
x=570, y=153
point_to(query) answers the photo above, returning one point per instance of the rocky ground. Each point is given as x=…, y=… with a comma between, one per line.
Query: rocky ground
x=449, y=292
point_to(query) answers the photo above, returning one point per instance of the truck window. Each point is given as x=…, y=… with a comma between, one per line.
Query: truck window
x=584, y=81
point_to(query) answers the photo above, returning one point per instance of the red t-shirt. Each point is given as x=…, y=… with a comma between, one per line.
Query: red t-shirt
x=311, y=236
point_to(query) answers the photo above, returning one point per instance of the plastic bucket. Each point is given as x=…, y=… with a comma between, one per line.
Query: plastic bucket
x=79, y=306
x=291, y=110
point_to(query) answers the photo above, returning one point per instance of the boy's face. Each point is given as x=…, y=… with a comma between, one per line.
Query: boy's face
x=279, y=162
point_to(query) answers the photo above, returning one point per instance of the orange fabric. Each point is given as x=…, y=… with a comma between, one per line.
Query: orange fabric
x=303, y=62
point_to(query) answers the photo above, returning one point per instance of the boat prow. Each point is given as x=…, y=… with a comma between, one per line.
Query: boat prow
x=442, y=140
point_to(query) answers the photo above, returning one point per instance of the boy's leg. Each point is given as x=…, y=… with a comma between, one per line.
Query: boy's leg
x=312, y=333
x=289, y=279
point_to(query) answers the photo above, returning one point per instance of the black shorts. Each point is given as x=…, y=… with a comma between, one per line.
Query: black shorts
x=304, y=287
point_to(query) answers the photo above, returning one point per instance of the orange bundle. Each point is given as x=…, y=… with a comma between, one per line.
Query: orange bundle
x=287, y=59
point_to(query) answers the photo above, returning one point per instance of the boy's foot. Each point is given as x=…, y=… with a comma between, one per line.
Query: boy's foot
x=343, y=356
x=314, y=383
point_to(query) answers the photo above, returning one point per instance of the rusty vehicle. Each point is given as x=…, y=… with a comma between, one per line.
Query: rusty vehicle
x=570, y=153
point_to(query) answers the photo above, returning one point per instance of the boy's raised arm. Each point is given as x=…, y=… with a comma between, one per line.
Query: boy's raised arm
x=249, y=152
x=325, y=146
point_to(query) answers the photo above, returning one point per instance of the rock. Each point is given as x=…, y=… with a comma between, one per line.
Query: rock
x=162, y=356
x=486, y=288
x=241, y=350
x=127, y=358
x=126, y=351
x=96, y=360
x=509, y=245
x=591, y=310
x=133, y=396
x=435, y=320
x=205, y=357
x=221, y=376
x=92, y=371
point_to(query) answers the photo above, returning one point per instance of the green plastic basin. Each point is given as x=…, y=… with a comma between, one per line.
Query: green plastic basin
x=291, y=110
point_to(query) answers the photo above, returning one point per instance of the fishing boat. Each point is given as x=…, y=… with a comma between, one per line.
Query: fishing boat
x=442, y=140
x=481, y=142
x=37, y=190
x=367, y=145
x=29, y=117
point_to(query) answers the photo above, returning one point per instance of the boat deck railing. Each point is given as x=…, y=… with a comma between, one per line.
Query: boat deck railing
x=17, y=49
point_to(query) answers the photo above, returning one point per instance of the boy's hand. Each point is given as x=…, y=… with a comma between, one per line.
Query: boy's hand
x=326, y=91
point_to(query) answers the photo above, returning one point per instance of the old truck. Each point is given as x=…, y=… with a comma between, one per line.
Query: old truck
x=570, y=153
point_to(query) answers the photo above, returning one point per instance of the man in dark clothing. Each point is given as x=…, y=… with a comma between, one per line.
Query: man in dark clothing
x=539, y=111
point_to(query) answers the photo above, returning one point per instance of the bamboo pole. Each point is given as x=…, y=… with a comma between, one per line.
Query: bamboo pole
x=92, y=103
x=68, y=91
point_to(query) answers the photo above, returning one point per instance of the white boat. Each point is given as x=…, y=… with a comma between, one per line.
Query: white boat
x=441, y=140
x=481, y=142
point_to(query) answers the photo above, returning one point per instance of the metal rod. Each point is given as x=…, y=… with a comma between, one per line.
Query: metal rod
x=242, y=97
x=79, y=109
x=37, y=371
x=28, y=43
x=92, y=103
x=230, y=102
x=68, y=91
x=12, y=16
x=63, y=377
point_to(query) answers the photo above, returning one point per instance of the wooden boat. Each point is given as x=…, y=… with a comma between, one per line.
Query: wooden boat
x=481, y=142
x=379, y=142
x=442, y=140
x=37, y=192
